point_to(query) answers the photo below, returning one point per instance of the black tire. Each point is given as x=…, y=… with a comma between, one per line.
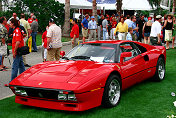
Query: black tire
x=114, y=82
x=160, y=70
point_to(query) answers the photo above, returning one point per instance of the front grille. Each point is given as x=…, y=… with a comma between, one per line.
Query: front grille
x=41, y=93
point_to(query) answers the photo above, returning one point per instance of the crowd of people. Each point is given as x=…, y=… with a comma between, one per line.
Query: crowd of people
x=17, y=31
x=150, y=30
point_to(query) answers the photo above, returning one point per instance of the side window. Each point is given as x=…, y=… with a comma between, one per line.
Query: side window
x=141, y=48
x=129, y=47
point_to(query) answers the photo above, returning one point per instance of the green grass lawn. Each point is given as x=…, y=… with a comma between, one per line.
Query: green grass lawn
x=145, y=100
x=39, y=40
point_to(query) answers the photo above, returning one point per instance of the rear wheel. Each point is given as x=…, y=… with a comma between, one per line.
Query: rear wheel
x=112, y=91
x=160, y=70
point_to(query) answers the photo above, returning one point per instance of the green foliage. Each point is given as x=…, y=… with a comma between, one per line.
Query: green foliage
x=154, y=2
x=156, y=12
x=43, y=9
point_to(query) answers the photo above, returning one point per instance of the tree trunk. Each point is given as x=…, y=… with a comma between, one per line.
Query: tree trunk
x=94, y=9
x=173, y=10
x=66, y=28
x=1, y=5
x=119, y=6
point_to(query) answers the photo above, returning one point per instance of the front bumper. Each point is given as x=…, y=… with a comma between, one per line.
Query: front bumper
x=84, y=102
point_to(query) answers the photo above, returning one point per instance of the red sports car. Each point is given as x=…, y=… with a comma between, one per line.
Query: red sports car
x=92, y=74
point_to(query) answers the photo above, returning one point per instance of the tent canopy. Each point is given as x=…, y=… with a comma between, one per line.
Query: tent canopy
x=127, y=4
x=79, y=4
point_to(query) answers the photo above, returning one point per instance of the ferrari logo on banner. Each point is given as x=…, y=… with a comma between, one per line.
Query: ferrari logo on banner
x=30, y=44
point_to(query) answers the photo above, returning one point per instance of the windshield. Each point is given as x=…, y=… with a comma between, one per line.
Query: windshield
x=99, y=52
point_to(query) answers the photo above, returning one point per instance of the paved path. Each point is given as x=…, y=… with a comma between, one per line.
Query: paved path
x=32, y=59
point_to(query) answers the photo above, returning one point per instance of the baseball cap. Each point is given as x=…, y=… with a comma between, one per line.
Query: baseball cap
x=51, y=20
x=158, y=16
x=92, y=17
x=149, y=18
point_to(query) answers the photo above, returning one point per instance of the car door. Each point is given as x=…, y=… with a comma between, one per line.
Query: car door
x=132, y=67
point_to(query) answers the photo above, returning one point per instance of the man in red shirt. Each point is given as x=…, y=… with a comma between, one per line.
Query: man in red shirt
x=44, y=43
x=17, y=42
x=74, y=33
x=30, y=19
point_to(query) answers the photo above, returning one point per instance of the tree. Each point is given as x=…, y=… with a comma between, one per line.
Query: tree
x=155, y=2
x=119, y=6
x=43, y=9
x=94, y=9
x=0, y=5
x=66, y=28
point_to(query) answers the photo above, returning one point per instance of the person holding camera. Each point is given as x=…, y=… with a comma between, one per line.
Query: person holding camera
x=156, y=31
x=17, y=42
x=54, y=43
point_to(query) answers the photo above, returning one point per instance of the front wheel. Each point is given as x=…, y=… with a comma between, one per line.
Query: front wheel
x=160, y=70
x=112, y=92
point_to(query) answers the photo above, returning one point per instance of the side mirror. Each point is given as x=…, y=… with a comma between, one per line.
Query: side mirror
x=62, y=53
x=123, y=55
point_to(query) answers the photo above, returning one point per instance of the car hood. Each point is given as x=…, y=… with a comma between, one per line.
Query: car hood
x=59, y=74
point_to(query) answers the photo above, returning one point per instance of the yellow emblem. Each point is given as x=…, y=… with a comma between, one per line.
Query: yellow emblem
x=40, y=83
x=118, y=66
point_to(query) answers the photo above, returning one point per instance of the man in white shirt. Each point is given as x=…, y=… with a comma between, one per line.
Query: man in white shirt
x=92, y=28
x=128, y=20
x=156, y=31
x=54, y=43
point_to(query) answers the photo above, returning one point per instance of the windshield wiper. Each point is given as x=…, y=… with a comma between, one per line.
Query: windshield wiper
x=66, y=58
x=81, y=57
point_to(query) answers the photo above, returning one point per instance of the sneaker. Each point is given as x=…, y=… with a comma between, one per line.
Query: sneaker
x=27, y=65
x=34, y=50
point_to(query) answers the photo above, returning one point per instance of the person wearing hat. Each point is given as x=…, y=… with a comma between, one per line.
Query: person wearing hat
x=146, y=30
x=74, y=33
x=54, y=43
x=34, y=29
x=168, y=25
x=156, y=31
x=92, y=28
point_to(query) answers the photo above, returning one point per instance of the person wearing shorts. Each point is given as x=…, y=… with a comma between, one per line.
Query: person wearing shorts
x=84, y=25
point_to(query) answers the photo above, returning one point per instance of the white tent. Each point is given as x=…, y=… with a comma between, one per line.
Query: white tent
x=131, y=5
x=79, y=4
x=136, y=5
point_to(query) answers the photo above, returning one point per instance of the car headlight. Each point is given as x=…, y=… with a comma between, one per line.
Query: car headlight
x=23, y=93
x=17, y=92
x=20, y=92
x=71, y=97
x=62, y=97
x=66, y=95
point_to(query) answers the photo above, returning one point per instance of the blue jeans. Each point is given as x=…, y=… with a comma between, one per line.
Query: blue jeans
x=17, y=64
x=34, y=34
x=104, y=33
x=0, y=59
